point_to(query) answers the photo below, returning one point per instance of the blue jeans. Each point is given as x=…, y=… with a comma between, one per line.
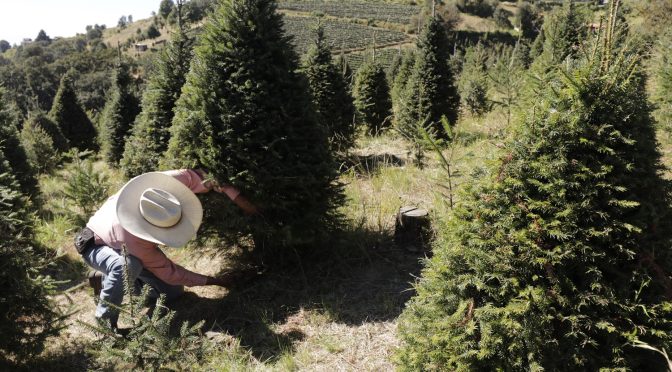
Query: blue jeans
x=112, y=264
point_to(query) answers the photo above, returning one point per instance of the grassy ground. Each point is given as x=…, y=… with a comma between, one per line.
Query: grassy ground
x=339, y=313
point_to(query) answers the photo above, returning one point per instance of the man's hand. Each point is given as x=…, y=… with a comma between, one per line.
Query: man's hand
x=235, y=277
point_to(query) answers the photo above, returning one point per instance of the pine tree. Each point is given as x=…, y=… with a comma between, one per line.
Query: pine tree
x=245, y=115
x=13, y=151
x=26, y=316
x=346, y=71
x=39, y=146
x=562, y=32
x=528, y=20
x=372, y=97
x=430, y=92
x=399, y=83
x=473, y=81
x=328, y=89
x=151, y=132
x=119, y=113
x=70, y=117
x=560, y=259
x=40, y=120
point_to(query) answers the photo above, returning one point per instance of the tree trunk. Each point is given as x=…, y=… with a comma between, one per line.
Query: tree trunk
x=412, y=229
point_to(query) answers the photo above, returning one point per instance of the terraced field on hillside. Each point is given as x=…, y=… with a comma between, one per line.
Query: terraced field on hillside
x=395, y=13
x=340, y=35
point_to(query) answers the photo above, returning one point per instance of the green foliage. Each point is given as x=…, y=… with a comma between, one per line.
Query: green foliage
x=481, y=8
x=150, y=344
x=85, y=187
x=563, y=30
x=42, y=36
x=152, y=32
x=372, y=97
x=528, y=20
x=245, y=115
x=559, y=259
x=333, y=104
x=39, y=146
x=507, y=76
x=501, y=17
x=120, y=111
x=473, y=81
x=40, y=120
x=151, y=132
x=400, y=80
x=26, y=316
x=165, y=8
x=430, y=92
x=13, y=152
x=70, y=118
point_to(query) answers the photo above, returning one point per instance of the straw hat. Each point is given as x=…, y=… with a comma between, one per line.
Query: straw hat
x=159, y=208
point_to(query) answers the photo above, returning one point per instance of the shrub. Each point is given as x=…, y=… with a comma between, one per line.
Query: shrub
x=501, y=17
x=85, y=187
x=481, y=8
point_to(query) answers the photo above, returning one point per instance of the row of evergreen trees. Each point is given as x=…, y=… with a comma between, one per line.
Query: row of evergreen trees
x=560, y=258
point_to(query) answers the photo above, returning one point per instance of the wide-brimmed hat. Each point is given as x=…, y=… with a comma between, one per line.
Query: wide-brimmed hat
x=157, y=207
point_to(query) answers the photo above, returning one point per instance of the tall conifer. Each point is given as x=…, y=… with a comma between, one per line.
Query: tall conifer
x=119, y=113
x=13, y=151
x=26, y=317
x=430, y=92
x=151, y=132
x=70, y=117
x=245, y=115
x=372, y=97
x=330, y=96
x=561, y=259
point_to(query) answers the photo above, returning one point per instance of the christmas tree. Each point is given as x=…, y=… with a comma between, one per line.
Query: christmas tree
x=245, y=115
x=561, y=258
x=330, y=95
x=430, y=92
x=13, y=152
x=70, y=118
x=120, y=111
x=372, y=97
x=26, y=317
x=151, y=132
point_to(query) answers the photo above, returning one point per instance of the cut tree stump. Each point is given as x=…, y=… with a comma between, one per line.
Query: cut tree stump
x=412, y=230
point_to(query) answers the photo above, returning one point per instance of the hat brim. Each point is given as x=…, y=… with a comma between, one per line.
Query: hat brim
x=128, y=210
